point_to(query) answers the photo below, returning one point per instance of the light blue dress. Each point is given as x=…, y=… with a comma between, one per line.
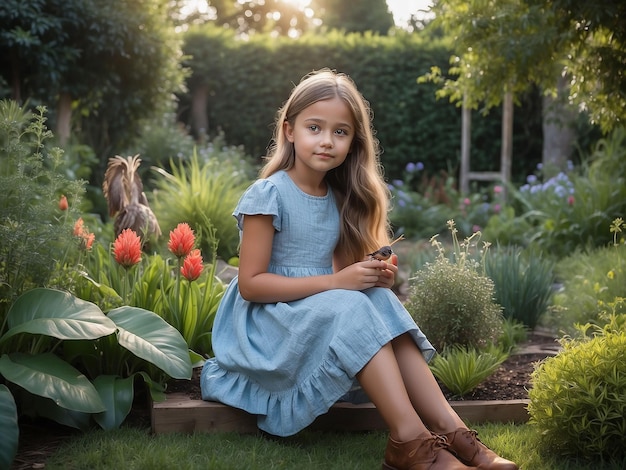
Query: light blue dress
x=289, y=362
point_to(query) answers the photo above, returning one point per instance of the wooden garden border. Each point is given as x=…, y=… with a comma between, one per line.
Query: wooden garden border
x=179, y=413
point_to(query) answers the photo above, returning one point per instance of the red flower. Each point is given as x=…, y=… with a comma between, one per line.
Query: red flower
x=192, y=266
x=571, y=200
x=181, y=240
x=127, y=248
x=63, y=205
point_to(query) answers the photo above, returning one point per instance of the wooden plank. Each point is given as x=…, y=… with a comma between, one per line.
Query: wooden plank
x=496, y=411
x=181, y=414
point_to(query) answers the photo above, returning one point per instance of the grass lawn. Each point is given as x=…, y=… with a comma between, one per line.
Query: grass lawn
x=135, y=448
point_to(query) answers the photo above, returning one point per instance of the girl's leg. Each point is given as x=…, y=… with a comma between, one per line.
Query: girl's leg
x=435, y=411
x=382, y=380
x=424, y=391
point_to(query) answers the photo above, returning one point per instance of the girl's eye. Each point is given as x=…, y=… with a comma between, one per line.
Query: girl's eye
x=314, y=127
x=341, y=132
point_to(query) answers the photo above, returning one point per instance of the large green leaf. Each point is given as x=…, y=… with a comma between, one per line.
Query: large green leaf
x=49, y=376
x=117, y=394
x=149, y=337
x=59, y=314
x=10, y=429
x=41, y=407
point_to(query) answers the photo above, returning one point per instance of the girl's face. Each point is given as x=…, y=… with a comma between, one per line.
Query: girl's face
x=322, y=135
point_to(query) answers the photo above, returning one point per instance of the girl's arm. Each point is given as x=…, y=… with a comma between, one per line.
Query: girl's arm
x=256, y=284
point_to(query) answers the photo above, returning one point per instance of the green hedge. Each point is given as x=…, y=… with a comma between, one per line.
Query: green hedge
x=248, y=81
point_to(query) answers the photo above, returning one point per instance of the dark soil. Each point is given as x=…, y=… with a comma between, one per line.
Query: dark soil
x=40, y=438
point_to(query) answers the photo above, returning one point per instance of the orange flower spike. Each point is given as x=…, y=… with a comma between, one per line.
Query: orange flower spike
x=192, y=266
x=182, y=240
x=127, y=248
x=63, y=205
x=79, y=228
x=89, y=239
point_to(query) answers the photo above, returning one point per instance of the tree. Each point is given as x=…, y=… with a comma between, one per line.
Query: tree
x=354, y=17
x=105, y=64
x=248, y=17
x=510, y=45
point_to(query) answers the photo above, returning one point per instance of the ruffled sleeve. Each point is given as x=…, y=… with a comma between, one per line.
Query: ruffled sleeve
x=261, y=198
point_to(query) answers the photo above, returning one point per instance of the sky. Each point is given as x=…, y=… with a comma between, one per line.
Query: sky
x=401, y=9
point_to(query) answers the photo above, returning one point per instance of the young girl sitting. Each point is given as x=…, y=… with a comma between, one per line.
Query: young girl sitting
x=311, y=315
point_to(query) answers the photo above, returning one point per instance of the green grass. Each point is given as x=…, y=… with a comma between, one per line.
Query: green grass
x=134, y=448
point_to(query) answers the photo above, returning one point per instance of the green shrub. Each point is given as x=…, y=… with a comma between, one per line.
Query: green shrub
x=203, y=192
x=462, y=369
x=571, y=210
x=452, y=301
x=523, y=284
x=578, y=397
x=589, y=281
x=34, y=231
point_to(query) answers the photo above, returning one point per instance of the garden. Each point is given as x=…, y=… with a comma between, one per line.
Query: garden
x=117, y=243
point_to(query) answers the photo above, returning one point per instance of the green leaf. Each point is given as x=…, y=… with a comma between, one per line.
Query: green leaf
x=59, y=314
x=157, y=391
x=117, y=394
x=37, y=406
x=49, y=376
x=9, y=426
x=149, y=337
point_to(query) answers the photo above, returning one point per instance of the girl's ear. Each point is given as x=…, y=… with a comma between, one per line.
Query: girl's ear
x=288, y=131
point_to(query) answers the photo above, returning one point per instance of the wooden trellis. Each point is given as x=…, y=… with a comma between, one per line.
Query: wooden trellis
x=506, y=152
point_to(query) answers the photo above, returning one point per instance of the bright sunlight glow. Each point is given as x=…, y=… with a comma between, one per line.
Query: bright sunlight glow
x=401, y=9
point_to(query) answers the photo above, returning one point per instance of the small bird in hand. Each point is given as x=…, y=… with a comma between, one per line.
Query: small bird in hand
x=382, y=254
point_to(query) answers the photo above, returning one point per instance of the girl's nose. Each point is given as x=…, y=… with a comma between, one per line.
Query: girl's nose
x=327, y=140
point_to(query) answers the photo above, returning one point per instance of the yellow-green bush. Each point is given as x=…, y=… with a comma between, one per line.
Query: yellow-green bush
x=578, y=397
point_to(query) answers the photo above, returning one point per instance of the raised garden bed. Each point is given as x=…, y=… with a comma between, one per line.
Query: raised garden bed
x=180, y=413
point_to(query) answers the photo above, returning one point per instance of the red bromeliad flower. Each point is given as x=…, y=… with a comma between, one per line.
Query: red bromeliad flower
x=181, y=240
x=127, y=248
x=192, y=266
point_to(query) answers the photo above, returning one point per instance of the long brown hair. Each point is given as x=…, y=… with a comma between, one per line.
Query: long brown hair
x=358, y=184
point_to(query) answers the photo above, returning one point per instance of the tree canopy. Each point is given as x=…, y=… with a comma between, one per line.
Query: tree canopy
x=118, y=61
x=508, y=45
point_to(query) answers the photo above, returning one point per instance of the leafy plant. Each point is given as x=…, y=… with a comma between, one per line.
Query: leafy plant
x=462, y=369
x=64, y=359
x=184, y=292
x=452, y=301
x=570, y=211
x=205, y=194
x=34, y=231
x=513, y=333
x=590, y=280
x=577, y=397
x=523, y=284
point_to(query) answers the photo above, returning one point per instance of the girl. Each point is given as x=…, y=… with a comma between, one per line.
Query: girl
x=310, y=315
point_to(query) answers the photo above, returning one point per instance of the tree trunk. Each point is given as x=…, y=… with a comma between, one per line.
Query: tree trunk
x=199, y=118
x=466, y=132
x=64, y=118
x=506, y=155
x=559, y=135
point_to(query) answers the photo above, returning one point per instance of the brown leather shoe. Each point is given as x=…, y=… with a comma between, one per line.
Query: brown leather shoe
x=427, y=452
x=464, y=443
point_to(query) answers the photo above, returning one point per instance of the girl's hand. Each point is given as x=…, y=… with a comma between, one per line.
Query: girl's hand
x=388, y=275
x=362, y=275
